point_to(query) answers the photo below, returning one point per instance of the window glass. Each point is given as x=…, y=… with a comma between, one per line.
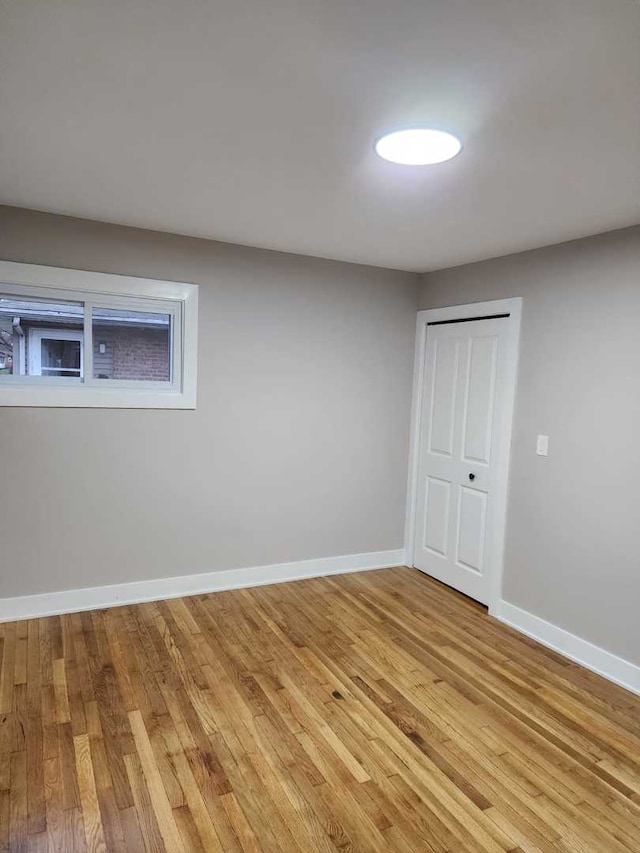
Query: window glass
x=131, y=345
x=41, y=338
x=60, y=357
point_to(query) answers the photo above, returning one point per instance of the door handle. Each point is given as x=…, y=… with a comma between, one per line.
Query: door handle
x=472, y=477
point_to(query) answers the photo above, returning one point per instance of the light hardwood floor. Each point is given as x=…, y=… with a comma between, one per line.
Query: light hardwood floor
x=374, y=711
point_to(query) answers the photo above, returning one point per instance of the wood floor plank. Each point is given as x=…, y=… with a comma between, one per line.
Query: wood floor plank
x=7, y=671
x=157, y=792
x=60, y=691
x=146, y=818
x=378, y=711
x=94, y=831
x=18, y=802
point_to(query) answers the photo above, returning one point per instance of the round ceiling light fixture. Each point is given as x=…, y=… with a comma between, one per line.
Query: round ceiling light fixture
x=418, y=147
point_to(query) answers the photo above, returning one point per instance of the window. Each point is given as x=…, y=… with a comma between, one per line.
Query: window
x=131, y=345
x=72, y=338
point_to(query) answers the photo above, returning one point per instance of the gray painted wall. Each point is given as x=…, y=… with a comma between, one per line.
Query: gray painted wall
x=573, y=530
x=298, y=447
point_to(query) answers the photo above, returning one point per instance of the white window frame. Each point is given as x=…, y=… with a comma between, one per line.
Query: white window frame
x=35, y=348
x=102, y=290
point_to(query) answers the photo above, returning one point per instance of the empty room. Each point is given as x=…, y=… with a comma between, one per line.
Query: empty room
x=319, y=414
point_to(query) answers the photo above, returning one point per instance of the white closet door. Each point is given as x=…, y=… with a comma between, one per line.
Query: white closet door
x=464, y=385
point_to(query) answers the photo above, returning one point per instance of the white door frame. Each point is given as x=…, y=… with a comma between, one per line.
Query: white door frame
x=35, y=338
x=512, y=307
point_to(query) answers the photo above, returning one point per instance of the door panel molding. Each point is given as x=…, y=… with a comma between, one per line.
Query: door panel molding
x=461, y=313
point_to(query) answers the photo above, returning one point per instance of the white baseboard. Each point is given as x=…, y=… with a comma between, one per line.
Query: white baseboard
x=97, y=597
x=612, y=667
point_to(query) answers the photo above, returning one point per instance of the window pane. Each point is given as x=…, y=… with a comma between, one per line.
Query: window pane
x=39, y=337
x=131, y=345
x=60, y=358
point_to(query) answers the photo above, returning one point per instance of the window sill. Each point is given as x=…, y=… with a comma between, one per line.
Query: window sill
x=95, y=398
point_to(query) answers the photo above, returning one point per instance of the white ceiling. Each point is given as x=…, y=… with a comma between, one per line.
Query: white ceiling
x=252, y=121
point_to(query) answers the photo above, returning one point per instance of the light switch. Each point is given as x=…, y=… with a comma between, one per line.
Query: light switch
x=542, y=445
x=103, y=349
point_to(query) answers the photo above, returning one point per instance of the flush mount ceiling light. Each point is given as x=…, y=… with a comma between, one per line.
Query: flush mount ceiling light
x=418, y=147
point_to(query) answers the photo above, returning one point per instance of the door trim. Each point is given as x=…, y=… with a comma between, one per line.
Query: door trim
x=512, y=307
